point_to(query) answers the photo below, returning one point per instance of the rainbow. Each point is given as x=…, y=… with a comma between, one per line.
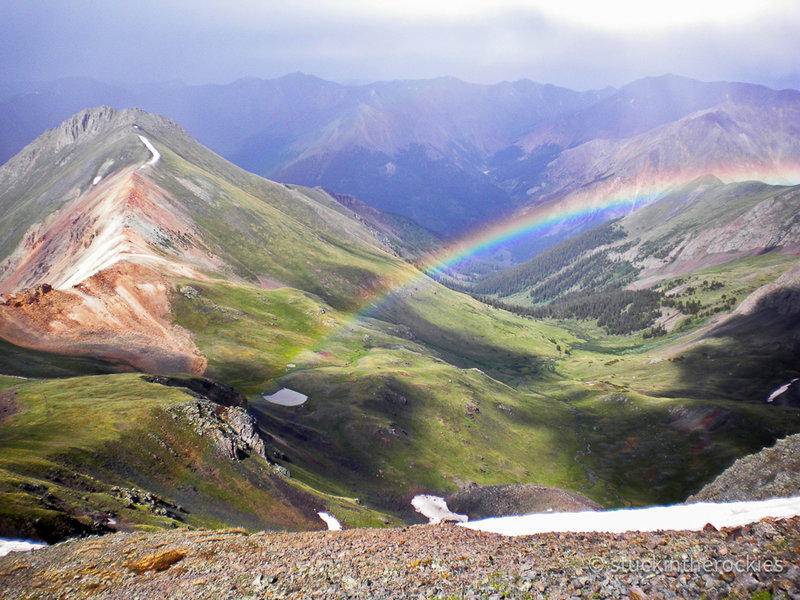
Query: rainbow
x=606, y=199
x=613, y=198
x=538, y=220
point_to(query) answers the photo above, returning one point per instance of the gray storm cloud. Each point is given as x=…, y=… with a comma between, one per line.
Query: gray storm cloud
x=204, y=42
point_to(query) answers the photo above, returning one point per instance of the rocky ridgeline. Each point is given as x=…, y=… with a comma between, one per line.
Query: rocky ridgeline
x=772, y=472
x=81, y=128
x=426, y=561
x=94, y=121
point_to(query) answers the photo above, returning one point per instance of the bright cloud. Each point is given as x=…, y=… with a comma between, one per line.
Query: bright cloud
x=635, y=14
x=608, y=14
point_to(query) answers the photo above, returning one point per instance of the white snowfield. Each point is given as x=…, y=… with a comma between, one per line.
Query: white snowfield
x=778, y=391
x=156, y=154
x=681, y=517
x=332, y=522
x=7, y=546
x=691, y=517
x=435, y=509
x=286, y=397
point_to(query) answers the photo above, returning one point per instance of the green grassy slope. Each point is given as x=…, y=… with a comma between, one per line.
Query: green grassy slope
x=435, y=389
x=263, y=229
x=411, y=386
x=69, y=445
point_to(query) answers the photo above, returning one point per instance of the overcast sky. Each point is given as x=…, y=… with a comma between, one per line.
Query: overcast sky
x=580, y=44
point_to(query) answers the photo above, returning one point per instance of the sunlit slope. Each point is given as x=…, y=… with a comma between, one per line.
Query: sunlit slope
x=268, y=231
x=106, y=209
x=706, y=225
x=264, y=228
x=115, y=215
x=433, y=390
x=686, y=317
x=397, y=402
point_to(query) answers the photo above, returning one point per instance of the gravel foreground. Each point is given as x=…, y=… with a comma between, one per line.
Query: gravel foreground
x=759, y=561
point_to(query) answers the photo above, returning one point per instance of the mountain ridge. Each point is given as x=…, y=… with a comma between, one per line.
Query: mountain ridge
x=114, y=211
x=479, y=150
x=409, y=387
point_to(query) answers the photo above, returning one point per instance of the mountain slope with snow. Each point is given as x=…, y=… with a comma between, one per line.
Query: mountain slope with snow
x=124, y=219
x=129, y=246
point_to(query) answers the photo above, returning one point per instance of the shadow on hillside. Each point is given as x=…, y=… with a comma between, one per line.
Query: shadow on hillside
x=729, y=375
x=465, y=350
x=24, y=362
x=348, y=437
x=750, y=356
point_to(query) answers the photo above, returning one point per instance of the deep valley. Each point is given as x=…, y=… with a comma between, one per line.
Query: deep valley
x=155, y=295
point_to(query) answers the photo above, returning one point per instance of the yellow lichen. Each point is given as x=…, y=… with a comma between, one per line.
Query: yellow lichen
x=157, y=562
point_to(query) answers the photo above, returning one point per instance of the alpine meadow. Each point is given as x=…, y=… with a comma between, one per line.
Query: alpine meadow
x=237, y=318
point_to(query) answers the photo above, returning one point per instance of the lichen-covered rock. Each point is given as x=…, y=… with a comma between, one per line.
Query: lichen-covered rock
x=245, y=427
x=232, y=431
x=135, y=497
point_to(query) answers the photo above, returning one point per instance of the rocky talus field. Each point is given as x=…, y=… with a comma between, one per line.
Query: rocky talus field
x=766, y=474
x=761, y=560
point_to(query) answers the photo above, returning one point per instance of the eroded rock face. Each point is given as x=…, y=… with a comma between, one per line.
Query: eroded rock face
x=232, y=431
x=245, y=427
x=121, y=314
x=93, y=277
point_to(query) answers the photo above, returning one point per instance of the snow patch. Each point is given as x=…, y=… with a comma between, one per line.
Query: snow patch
x=156, y=154
x=286, y=397
x=7, y=546
x=778, y=391
x=685, y=517
x=435, y=509
x=332, y=522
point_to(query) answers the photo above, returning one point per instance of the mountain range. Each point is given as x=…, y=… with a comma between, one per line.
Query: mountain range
x=156, y=297
x=451, y=155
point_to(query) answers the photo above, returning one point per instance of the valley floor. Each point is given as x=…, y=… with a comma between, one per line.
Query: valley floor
x=426, y=561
